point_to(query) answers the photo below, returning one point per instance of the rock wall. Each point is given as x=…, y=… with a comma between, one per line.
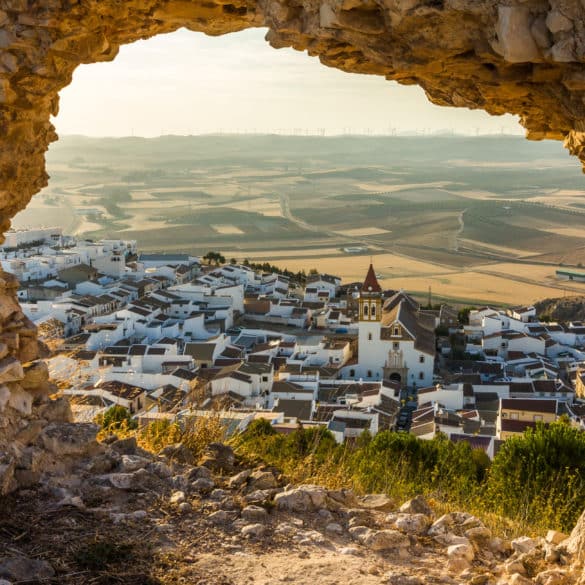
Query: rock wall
x=519, y=56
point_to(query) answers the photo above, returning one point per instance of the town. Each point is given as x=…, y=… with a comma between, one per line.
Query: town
x=176, y=337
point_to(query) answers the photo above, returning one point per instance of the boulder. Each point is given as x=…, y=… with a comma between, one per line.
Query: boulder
x=127, y=446
x=25, y=570
x=178, y=453
x=253, y=530
x=58, y=410
x=340, y=499
x=413, y=523
x=459, y=557
x=177, y=498
x=261, y=480
x=377, y=502
x=418, y=505
x=203, y=485
x=305, y=498
x=222, y=517
x=523, y=544
x=70, y=439
x=254, y=514
x=555, y=537
x=378, y=540
x=140, y=480
x=551, y=577
x=219, y=458
x=399, y=578
x=237, y=481
x=131, y=463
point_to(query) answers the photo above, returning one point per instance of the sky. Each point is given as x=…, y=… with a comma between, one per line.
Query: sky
x=188, y=83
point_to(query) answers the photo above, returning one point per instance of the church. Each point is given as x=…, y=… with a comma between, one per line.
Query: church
x=396, y=340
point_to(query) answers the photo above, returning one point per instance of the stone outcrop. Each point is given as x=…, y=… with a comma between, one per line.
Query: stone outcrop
x=156, y=504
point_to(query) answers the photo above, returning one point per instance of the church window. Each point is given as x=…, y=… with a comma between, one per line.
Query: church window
x=421, y=359
x=365, y=310
x=369, y=337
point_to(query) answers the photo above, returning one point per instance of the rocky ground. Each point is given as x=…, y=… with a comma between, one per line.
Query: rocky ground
x=126, y=516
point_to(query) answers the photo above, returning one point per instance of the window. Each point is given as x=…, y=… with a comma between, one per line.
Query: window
x=537, y=417
x=421, y=359
x=514, y=415
x=396, y=345
x=369, y=337
x=396, y=331
x=373, y=312
x=369, y=373
x=352, y=373
x=365, y=310
x=421, y=376
x=264, y=378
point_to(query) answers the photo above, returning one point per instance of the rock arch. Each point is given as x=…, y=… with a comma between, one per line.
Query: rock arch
x=524, y=57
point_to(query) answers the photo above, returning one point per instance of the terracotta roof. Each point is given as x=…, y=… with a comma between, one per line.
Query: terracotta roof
x=371, y=282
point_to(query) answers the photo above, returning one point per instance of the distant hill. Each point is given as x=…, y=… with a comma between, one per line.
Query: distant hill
x=562, y=309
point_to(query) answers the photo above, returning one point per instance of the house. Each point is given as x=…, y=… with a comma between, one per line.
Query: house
x=515, y=415
x=321, y=287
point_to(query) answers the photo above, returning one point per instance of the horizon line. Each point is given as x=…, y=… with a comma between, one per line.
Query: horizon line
x=401, y=134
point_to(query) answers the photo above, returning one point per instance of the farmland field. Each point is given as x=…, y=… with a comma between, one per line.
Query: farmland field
x=482, y=218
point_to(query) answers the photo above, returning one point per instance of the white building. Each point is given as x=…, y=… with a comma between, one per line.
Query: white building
x=395, y=341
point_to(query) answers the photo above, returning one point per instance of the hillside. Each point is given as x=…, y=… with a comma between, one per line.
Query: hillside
x=131, y=518
x=562, y=309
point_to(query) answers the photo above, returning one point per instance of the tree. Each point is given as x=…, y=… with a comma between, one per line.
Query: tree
x=115, y=418
x=463, y=315
x=540, y=476
x=233, y=261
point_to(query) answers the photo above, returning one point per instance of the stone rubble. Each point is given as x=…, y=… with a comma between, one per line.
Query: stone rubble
x=160, y=491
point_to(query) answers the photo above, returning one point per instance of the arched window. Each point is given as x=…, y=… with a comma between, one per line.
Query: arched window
x=396, y=331
x=369, y=337
x=365, y=310
x=373, y=310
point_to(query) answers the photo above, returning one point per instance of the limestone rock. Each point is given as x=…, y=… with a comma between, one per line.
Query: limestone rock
x=219, y=458
x=65, y=439
x=178, y=453
x=254, y=514
x=555, y=537
x=379, y=502
x=254, y=530
x=261, y=480
x=523, y=544
x=413, y=523
x=386, y=539
x=418, y=505
x=305, y=498
x=23, y=569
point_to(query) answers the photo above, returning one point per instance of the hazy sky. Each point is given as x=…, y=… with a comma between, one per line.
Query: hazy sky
x=188, y=83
